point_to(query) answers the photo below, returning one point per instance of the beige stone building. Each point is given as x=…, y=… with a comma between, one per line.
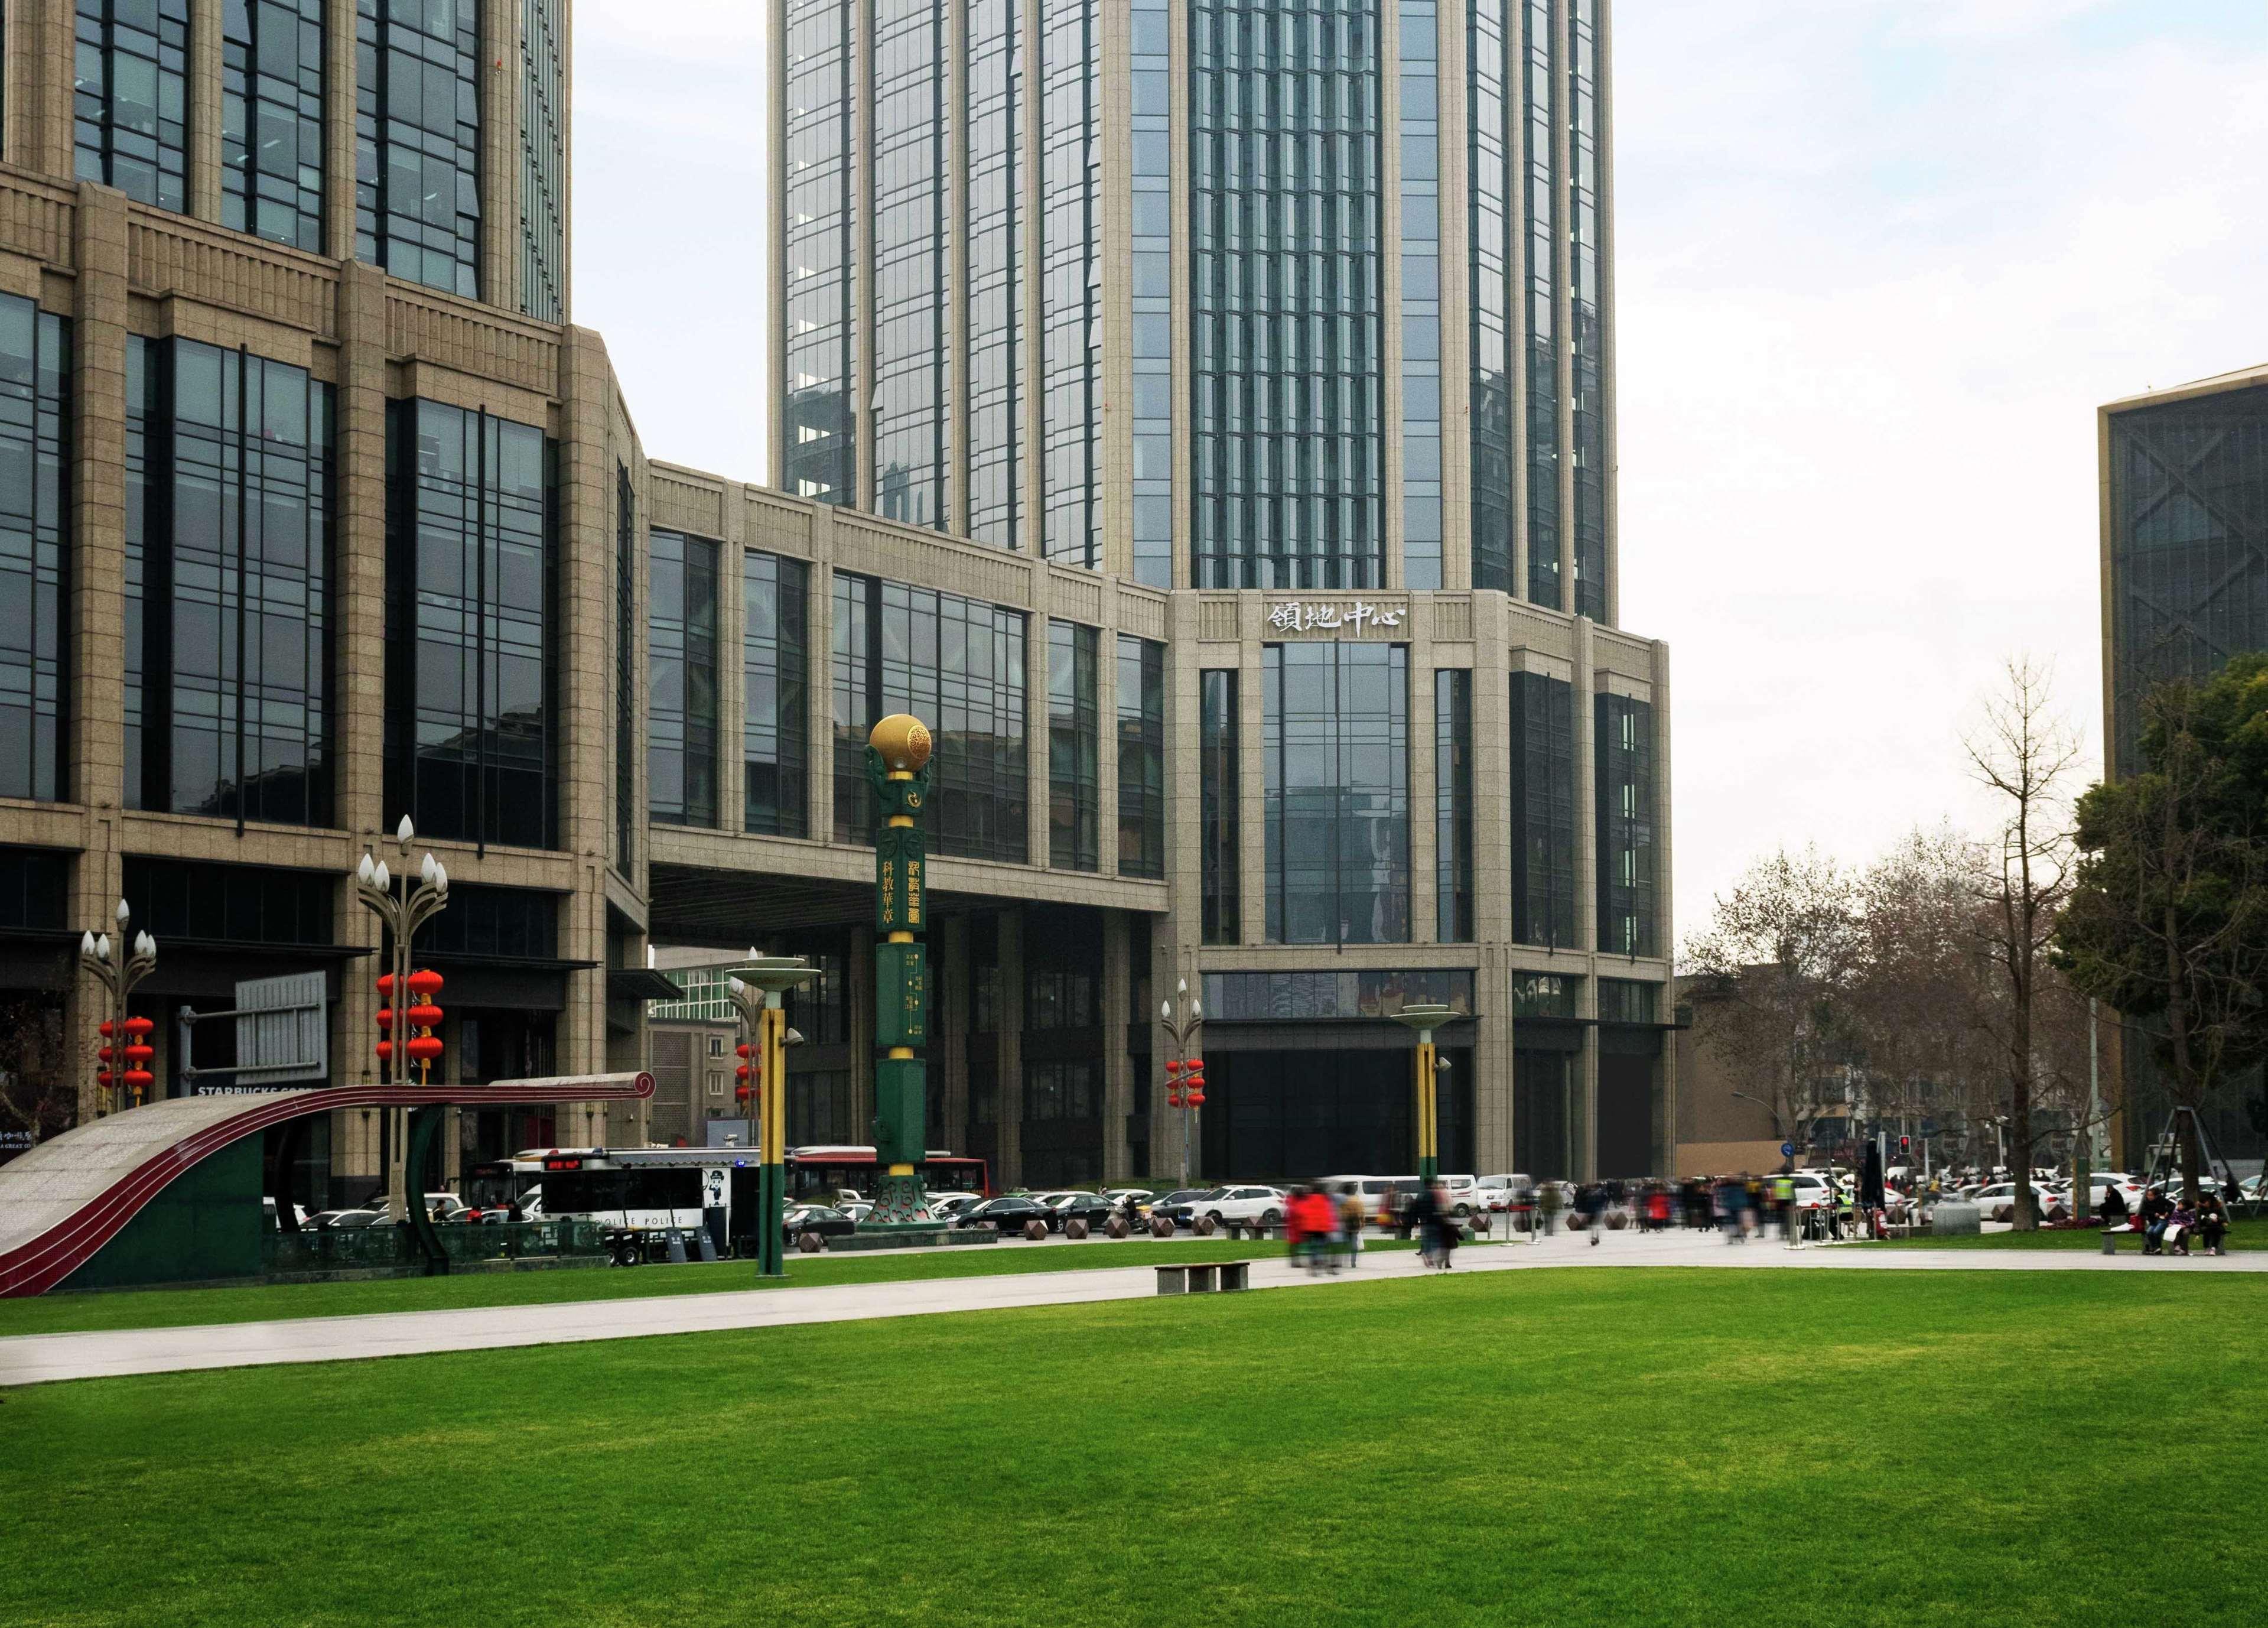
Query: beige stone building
x=1260, y=585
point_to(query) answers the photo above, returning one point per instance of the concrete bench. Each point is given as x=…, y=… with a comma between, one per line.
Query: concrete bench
x=1204, y=1277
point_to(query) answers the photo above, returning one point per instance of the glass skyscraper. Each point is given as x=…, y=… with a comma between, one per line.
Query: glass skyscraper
x=1326, y=305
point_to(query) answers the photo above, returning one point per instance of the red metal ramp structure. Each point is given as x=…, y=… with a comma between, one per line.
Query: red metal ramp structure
x=191, y=1162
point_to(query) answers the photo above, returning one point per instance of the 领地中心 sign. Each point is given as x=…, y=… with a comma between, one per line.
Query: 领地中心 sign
x=1307, y=616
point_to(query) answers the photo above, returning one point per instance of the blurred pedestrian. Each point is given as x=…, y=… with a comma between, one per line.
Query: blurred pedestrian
x=1351, y=1222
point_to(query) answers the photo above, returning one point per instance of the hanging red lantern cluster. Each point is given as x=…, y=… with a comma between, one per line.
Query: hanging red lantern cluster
x=419, y=1017
x=1185, y=1082
x=137, y=1054
x=746, y=1091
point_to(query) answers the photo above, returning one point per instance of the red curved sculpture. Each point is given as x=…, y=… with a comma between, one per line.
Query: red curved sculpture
x=59, y=1205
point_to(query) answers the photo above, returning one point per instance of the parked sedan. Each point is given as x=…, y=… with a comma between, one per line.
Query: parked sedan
x=1998, y=1202
x=1088, y=1207
x=824, y=1219
x=1009, y=1214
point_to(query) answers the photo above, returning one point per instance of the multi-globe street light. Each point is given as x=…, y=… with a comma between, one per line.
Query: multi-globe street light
x=1185, y=1068
x=756, y=990
x=126, y=1052
x=404, y=905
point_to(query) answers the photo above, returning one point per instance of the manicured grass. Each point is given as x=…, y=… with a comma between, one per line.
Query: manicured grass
x=1575, y=1447
x=167, y=1309
x=2245, y=1234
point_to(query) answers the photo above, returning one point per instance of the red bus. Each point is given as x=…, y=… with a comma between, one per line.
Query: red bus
x=815, y=1174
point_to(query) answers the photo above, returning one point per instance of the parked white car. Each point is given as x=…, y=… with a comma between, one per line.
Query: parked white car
x=1461, y=1194
x=1263, y=1204
x=1498, y=1193
x=1998, y=1202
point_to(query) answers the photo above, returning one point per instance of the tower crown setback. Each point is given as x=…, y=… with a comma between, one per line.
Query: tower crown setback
x=1297, y=295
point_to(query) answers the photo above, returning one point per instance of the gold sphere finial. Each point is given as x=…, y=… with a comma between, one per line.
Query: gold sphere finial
x=903, y=741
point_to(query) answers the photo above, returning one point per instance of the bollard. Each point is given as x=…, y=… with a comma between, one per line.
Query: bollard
x=2109, y=1241
x=676, y=1248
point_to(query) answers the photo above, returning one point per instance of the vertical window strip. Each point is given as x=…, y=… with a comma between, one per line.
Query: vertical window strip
x=1539, y=100
x=129, y=98
x=542, y=161
x=626, y=599
x=1625, y=796
x=1493, y=75
x=1284, y=165
x=1453, y=804
x=1141, y=756
x=819, y=444
x=1337, y=746
x=1220, y=783
x=774, y=662
x=1071, y=287
x=1152, y=293
x=1587, y=247
x=35, y=371
x=1421, y=296
x=682, y=679
x=1074, y=748
x=1543, y=811
x=417, y=135
x=999, y=248
x=912, y=127
x=272, y=119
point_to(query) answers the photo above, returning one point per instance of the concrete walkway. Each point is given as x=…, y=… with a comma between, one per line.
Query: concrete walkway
x=37, y=1358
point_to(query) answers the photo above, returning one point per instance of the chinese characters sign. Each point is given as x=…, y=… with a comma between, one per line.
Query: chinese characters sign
x=1304, y=616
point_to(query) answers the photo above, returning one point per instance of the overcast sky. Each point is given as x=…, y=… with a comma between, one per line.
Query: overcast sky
x=1879, y=260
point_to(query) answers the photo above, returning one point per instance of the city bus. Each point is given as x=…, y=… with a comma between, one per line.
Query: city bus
x=495, y=1185
x=817, y=1173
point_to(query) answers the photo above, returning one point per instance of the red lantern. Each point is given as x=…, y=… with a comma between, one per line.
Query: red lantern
x=140, y=1054
x=139, y=1026
x=1173, y=1066
x=424, y=1047
x=385, y=1051
x=104, y=1054
x=426, y=981
x=139, y=1079
x=102, y=1076
x=425, y=1017
x=103, y=1028
x=1197, y=1099
x=743, y=1092
x=743, y=1052
x=386, y=1017
x=1196, y=1075
x=741, y=1073
x=385, y=985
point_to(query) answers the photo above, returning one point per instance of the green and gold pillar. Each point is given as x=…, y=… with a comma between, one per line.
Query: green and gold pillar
x=1426, y=1020
x=897, y=767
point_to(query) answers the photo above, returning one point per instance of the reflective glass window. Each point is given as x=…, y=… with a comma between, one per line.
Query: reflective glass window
x=913, y=136
x=1074, y=748
x=417, y=137
x=35, y=451
x=544, y=159
x=1337, y=748
x=1220, y=781
x=1071, y=277
x=1492, y=79
x=1421, y=296
x=776, y=727
x=1540, y=213
x=1627, y=890
x=626, y=601
x=1587, y=250
x=1141, y=756
x=999, y=248
x=129, y=101
x=1543, y=811
x=1453, y=804
x=818, y=446
x=271, y=144
x=1152, y=296
x=681, y=752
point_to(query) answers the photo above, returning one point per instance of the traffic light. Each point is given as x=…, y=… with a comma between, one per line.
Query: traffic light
x=1905, y=1144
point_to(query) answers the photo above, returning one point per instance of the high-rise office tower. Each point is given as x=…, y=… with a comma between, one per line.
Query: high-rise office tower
x=1298, y=313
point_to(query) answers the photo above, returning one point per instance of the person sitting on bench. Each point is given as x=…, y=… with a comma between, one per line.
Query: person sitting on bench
x=2112, y=1212
x=2212, y=1225
x=2179, y=1225
x=2156, y=1211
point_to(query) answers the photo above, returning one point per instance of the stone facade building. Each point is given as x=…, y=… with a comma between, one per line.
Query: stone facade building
x=1209, y=431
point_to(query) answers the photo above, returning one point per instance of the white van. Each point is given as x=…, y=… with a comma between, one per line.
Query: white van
x=1498, y=1193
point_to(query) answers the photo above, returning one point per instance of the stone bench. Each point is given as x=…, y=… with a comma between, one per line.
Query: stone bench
x=1204, y=1276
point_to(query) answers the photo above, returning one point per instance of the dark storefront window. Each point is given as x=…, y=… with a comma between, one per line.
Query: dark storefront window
x=1453, y=803
x=34, y=529
x=822, y=1107
x=818, y=440
x=271, y=149
x=521, y=924
x=1542, y=810
x=1294, y=1114
x=1297, y=997
x=130, y=100
x=1062, y=1123
x=1141, y=756
x=1625, y=795
x=1543, y=1109
x=34, y=888
x=1220, y=783
x=681, y=752
x=1073, y=748
x=1543, y=995
x=238, y=903
x=1622, y=1000
x=470, y=658
x=1337, y=751
x=418, y=136
x=776, y=729
x=228, y=546
x=957, y=665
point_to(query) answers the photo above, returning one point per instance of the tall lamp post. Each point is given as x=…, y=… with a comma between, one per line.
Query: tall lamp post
x=897, y=768
x=402, y=907
x=1426, y=1017
x=1185, y=1069
x=126, y=1052
x=755, y=991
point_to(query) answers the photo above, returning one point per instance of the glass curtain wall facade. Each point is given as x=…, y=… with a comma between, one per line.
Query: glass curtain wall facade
x=681, y=752
x=913, y=136
x=542, y=159
x=1586, y=257
x=960, y=664
x=1151, y=76
x=626, y=599
x=1075, y=771
x=417, y=138
x=1221, y=798
x=1421, y=294
x=1337, y=746
x=228, y=544
x=1541, y=213
x=819, y=456
x=1071, y=277
x=271, y=144
x=470, y=657
x=1491, y=83
x=1543, y=811
x=999, y=249
x=776, y=728
x=1627, y=898
x=1453, y=804
x=1141, y=756
x=130, y=99
x=1284, y=156
x=35, y=530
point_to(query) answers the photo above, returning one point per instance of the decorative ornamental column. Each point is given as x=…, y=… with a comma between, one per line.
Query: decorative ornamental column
x=897, y=767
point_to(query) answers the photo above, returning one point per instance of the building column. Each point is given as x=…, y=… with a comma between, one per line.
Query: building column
x=1118, y=1081
x=205, y=113
x=502, y=82
x=949, y=1050
x=39, y=62
x=1587, y=894
x=1010, y=1093
x=1424, y=834
x=1493, y=1045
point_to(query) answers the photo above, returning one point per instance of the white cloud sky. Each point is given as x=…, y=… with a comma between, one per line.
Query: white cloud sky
x=1879, y=260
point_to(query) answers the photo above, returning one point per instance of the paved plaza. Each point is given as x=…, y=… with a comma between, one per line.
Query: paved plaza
x=32, y=1360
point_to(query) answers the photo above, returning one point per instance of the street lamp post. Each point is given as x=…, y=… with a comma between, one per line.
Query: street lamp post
x=126, y=1051
x=755, y=991
x=1185, y=1069
x=1424, y=1018
x=402, y=907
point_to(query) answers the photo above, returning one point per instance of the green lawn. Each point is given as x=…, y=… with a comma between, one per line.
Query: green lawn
x=2245, y=1233
x=1574, y=1448
x=165, y=1308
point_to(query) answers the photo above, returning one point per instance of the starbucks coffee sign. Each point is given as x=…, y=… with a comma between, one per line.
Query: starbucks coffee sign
x=1312, y=616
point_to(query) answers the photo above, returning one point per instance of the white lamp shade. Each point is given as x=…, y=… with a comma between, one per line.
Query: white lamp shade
x=102, y=946
x=123, y=913
x=366, y=869
x=405, y=830
x=86, y=944
x=383, y=879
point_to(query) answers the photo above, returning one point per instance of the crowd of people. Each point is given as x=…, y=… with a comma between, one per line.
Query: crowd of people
x=2168, y=1225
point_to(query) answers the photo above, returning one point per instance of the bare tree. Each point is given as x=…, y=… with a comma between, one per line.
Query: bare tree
x=36, y=1098
x=2026, y=755
x=1774, y=968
